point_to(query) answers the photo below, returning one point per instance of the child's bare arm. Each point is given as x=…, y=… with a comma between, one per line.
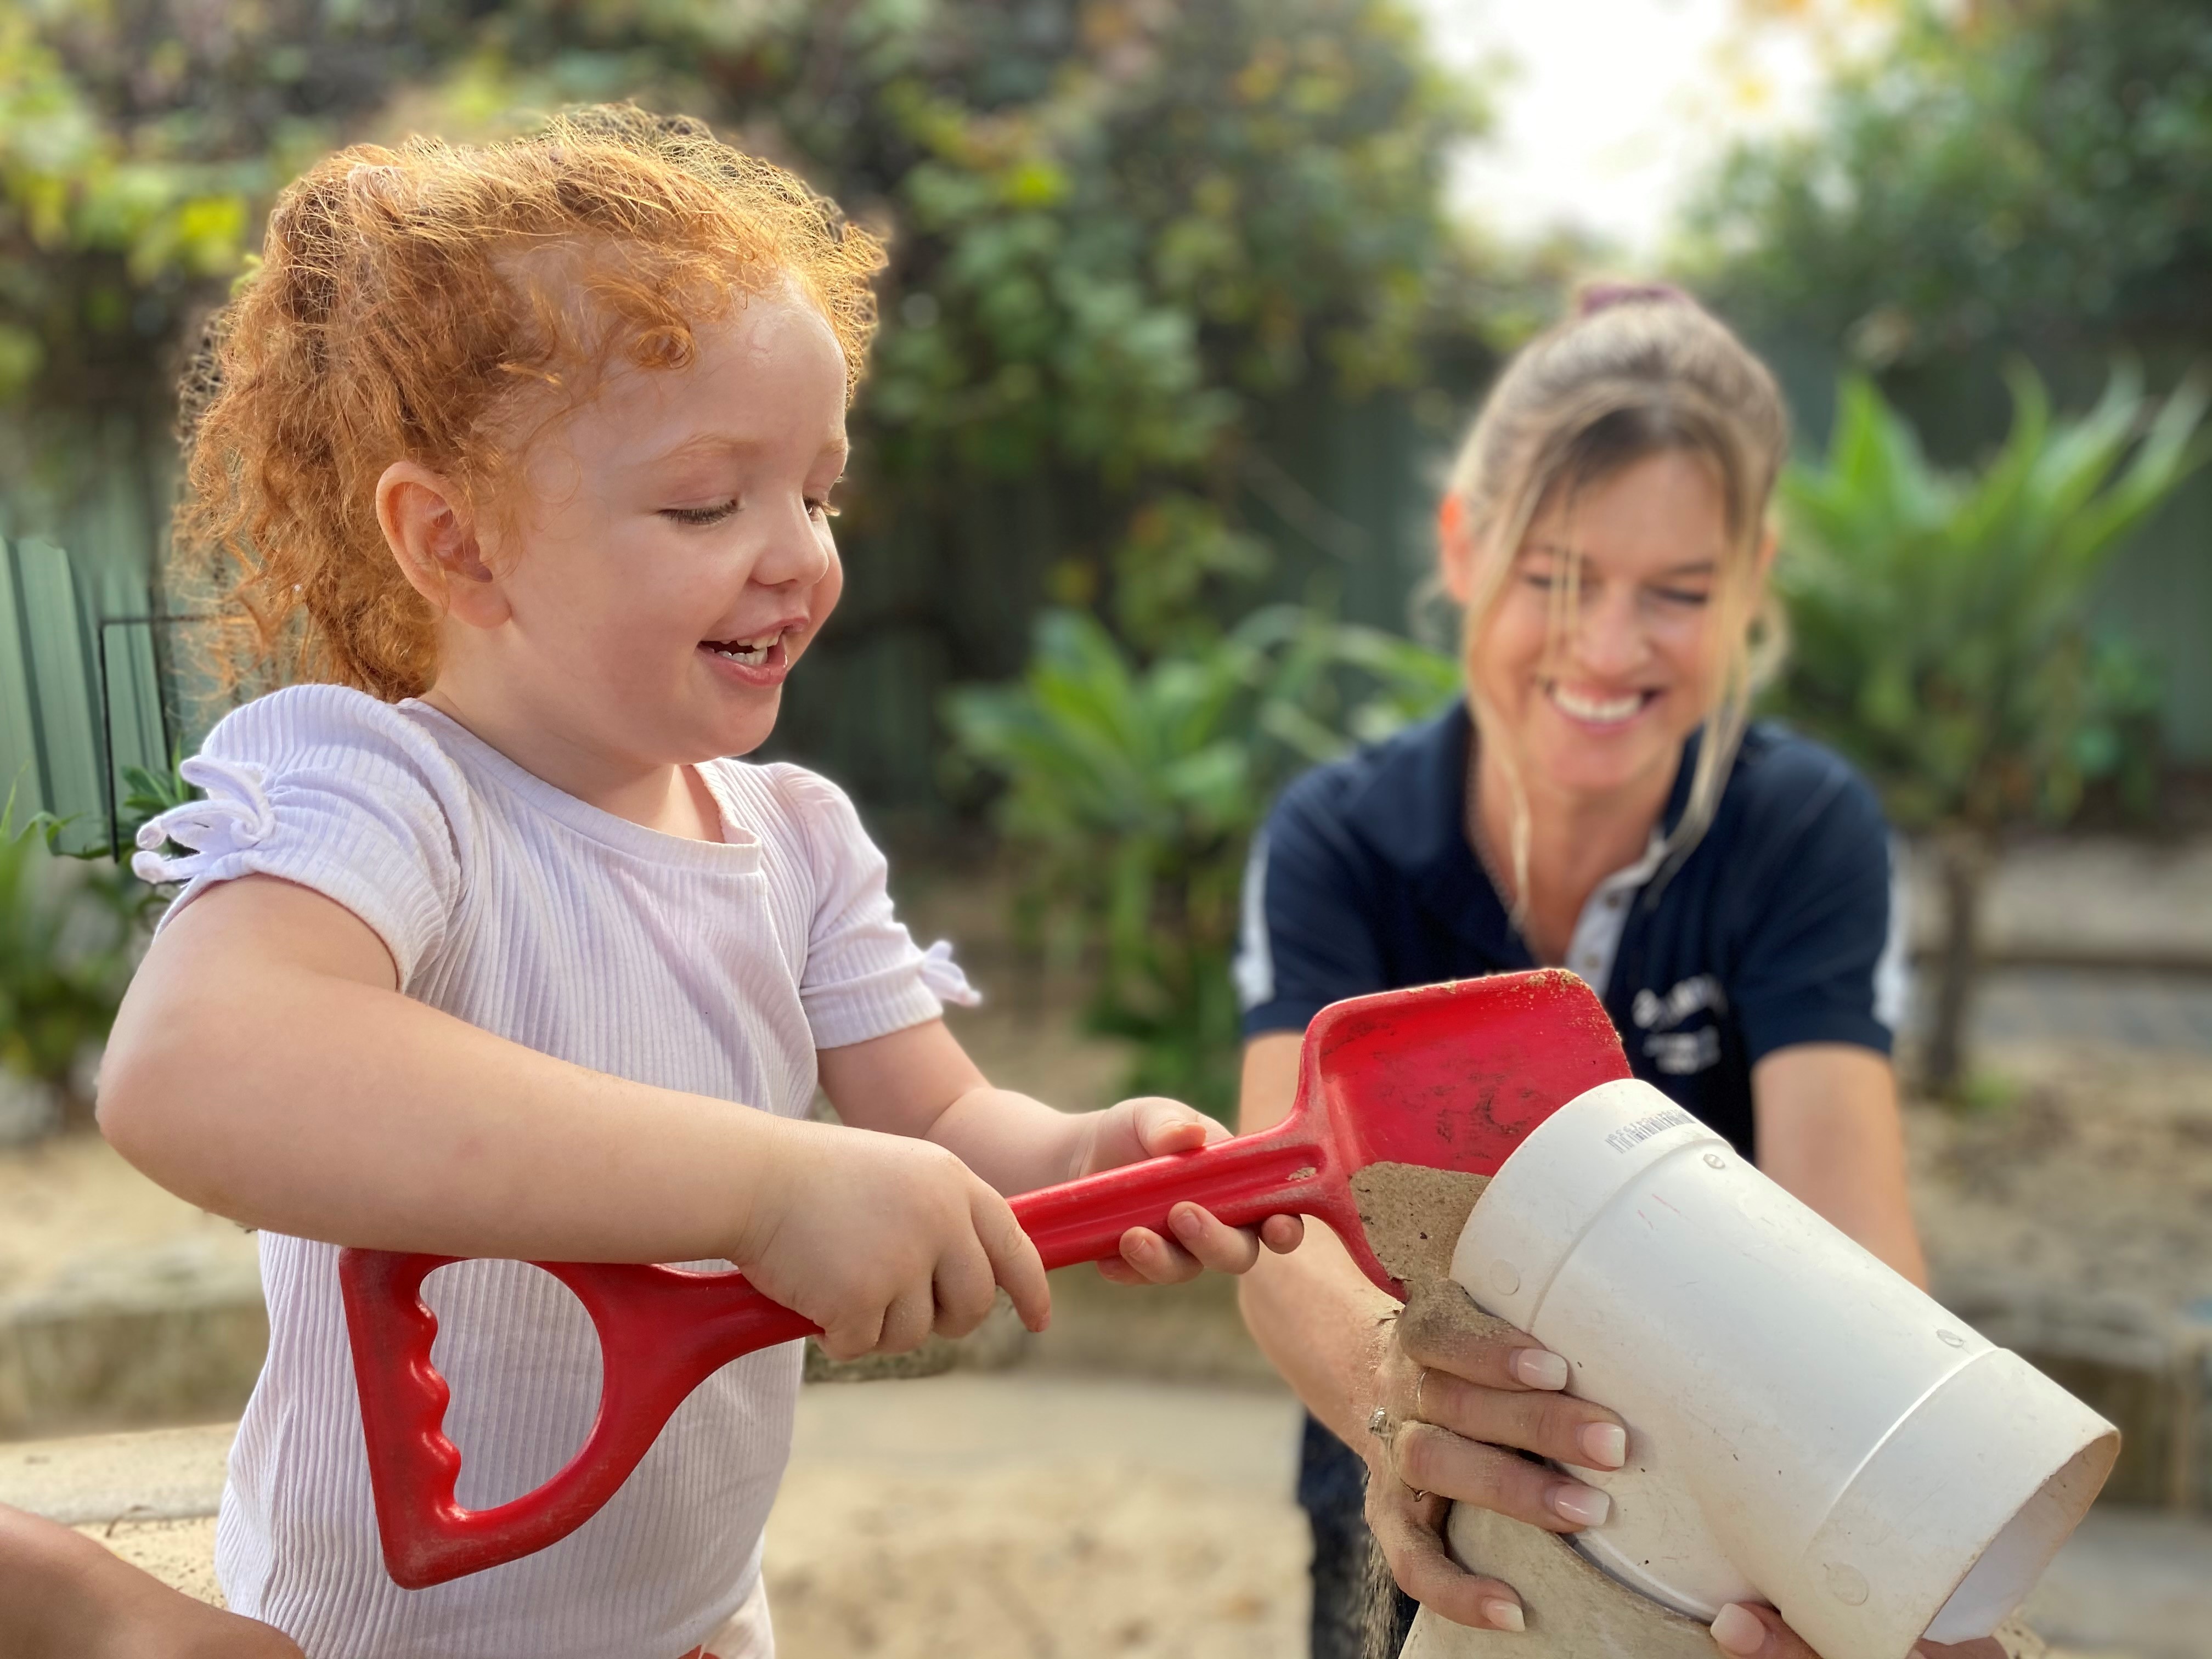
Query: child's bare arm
x=921, y=1082
x=266, y=1067
x=63, y=1596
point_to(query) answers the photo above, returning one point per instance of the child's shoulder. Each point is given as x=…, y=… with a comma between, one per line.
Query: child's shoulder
x=778, y=798
x=303, y=724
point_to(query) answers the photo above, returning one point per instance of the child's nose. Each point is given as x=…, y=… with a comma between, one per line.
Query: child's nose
x=795, y=553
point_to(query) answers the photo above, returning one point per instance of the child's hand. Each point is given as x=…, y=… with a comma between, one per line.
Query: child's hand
x=1149, y=1127
x=880, y=1240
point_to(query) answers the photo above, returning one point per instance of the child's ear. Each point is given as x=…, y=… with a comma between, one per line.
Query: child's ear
x=432, y=531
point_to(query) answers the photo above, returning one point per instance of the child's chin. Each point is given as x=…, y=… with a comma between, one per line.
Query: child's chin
x=751, y=729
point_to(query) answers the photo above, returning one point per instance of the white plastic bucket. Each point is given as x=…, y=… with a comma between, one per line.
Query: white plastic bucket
x=1805, y=1427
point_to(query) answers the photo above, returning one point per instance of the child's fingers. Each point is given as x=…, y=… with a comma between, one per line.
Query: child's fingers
x=908, y=1321
x=854, y=1335
x=1158, y=1261
x=1164, y=1126
x=1014, y=1260
x=1197, y=1242
x=1218, y=1246
x=964, y=1289
x=1283, y=1233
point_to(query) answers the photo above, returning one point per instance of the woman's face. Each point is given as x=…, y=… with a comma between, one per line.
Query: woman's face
x=1603, y=703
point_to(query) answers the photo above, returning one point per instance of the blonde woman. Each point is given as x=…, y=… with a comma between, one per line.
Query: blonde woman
x=1600, y=799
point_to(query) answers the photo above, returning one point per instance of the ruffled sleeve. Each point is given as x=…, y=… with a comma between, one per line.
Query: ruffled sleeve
x=331, y=790
x=944, y=978
x=233, y=814
x=864, y=977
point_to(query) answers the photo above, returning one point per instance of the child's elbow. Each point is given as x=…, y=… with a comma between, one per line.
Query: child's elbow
x=137, y=1095
x=124, y=1103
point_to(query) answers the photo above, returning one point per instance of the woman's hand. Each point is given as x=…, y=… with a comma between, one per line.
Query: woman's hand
x=1152, y=1127
x=1462, y=1392
x=1755, y=1632
x=1457, y=1386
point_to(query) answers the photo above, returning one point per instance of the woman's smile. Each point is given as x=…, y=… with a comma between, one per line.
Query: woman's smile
x=1598, y=710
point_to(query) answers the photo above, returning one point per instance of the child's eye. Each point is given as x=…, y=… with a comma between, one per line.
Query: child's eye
x=1681, y=596
x=713, y=514
x=821, y=509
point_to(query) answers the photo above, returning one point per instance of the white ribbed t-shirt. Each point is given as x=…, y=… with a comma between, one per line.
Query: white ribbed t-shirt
x=715, y=969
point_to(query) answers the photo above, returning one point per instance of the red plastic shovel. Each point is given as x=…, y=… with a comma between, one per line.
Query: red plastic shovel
x=1449, y=1076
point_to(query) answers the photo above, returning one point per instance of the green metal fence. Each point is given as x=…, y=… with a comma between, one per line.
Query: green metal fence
x=80, y=687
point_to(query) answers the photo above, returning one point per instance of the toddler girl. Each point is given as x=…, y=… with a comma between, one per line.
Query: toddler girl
x=522, y=457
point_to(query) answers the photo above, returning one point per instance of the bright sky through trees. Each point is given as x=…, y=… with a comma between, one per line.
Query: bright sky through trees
x=1608, y=109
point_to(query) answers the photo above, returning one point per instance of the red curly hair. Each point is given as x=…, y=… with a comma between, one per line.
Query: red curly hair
x=403, y=310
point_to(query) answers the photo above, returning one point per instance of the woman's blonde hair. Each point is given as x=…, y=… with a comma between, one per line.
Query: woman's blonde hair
x=1635, y=371
x=406, y=302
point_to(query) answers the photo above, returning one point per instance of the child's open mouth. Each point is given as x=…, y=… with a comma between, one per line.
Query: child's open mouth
x=759, y=660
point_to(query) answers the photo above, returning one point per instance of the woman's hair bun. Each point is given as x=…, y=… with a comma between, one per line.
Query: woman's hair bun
x=1594, y=297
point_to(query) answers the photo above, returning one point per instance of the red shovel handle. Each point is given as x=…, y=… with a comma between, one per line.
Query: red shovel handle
x=662, y=1331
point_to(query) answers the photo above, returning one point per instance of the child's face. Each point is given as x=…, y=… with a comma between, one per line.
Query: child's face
x=671, y=558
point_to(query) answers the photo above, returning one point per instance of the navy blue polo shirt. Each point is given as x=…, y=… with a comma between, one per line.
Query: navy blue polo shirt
x=1777, y=928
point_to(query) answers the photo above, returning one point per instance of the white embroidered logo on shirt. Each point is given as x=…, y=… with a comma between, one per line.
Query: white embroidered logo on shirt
x=1678, y=1054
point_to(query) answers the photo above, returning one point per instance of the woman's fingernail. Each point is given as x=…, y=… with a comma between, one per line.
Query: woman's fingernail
x=1502, y=1614
x=1738, y=1630
x=1184, y=1220
x=1585, y=1506
x=1606, y=1444
x=1538, y=1368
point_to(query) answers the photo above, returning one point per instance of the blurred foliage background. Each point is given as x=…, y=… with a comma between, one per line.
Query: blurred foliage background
x=1178, y=327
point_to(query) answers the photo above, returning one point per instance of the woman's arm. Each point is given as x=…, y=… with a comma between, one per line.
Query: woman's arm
x=1316, y=1315
x=1452, y=1405
x=266, y=1067
x=1831, y=1135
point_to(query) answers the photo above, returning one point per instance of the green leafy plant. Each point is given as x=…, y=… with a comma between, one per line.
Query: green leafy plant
x=67, y=932
x=1132, y=790
x=1941, y=629
x=2025, y=172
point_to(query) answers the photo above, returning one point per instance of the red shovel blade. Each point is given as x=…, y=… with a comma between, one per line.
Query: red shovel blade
x=1455, y=1076
x=1449, y=1076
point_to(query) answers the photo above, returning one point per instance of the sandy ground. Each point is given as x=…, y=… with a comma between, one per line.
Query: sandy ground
x=74, y=1215
x=1027, y=1515
x=1019, y=1517
x=2095, y=1176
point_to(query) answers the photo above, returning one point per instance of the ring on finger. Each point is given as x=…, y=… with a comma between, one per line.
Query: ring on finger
x=1380, y=1425
x=1420, y=1382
